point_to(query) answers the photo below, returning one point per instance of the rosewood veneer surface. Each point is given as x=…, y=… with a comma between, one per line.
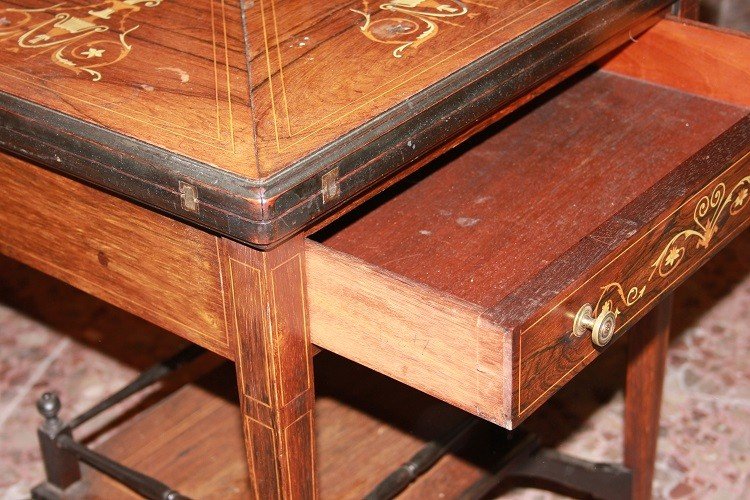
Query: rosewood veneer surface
x=574, y=200
x=253, y=104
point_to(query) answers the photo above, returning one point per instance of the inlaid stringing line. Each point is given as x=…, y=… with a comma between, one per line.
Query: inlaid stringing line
x=270, y=79
x=556, y=384
x=725, y=173
x=281, y=67
x=438, y=59
x=223, y=295
x=216, y=69
x=660, y=223
x=226, y=69
x=303, y=302
x=133, y=114
x=257, y=276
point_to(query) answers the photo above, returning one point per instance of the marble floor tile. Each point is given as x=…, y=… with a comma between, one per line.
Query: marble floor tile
x=55, y=338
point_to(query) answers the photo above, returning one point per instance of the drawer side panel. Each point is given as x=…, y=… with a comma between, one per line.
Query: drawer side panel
x=409, y=332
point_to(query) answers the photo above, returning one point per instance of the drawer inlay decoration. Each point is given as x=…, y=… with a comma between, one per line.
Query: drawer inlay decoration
x=626, y=299
x=410, y=23
x=707, y=218
x=651, y=265
x=82, y=39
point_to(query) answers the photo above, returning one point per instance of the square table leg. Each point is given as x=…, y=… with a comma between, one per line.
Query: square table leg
x=267, y=312
x=647, y=354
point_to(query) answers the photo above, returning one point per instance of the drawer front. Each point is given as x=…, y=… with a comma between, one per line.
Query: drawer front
x=652, y=263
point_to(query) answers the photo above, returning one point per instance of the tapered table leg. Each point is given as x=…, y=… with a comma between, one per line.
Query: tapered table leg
x=266, y=294
x=647, y=353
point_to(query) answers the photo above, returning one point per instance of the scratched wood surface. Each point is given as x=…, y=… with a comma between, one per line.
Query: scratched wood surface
x=577, y=166
x=253, y=102
x=577, y=204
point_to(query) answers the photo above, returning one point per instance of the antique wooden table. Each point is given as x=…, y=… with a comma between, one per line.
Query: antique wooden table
x=191, y=162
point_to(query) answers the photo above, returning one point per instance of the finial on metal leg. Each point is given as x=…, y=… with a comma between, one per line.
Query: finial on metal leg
x=49, y=406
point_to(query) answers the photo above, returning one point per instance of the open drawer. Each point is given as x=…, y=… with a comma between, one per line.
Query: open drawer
x=465, y=280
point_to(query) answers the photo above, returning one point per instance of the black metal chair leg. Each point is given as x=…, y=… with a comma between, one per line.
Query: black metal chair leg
x=62, y=454
x=61, y=466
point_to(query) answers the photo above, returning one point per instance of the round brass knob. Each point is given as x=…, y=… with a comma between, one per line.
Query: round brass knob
x=602, y=327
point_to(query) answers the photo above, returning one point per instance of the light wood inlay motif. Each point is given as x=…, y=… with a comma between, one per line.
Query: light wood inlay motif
x=409, y=23
x=128, y=64
x=294, y=63
x=156, y=57
x=462, y=243
x=707, y=214
x=711, y=212
x=82, y=39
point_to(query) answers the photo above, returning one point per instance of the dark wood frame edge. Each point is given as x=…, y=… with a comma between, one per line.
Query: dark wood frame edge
x=265, y=213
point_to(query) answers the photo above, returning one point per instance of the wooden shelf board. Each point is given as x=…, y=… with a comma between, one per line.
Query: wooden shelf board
x=367, y=425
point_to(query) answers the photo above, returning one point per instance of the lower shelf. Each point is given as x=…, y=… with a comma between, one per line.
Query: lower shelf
x=367, y=425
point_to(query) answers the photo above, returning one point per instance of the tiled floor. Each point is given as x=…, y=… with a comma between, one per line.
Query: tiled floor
x=55, y=337
x=52, y=336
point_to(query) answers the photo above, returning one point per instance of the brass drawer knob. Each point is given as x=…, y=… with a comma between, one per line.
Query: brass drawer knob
x=602, y=327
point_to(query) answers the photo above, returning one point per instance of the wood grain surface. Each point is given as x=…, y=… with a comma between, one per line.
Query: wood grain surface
x=407, y=331
x=692, y=57
x=271, y=334
x=673, y=235
x=517, y=197
x=565, y=189
x=150, y=265
x=647, y=360
x=266, y=104
x=128, y=66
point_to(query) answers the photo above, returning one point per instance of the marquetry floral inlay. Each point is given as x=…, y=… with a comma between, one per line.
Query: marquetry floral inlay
x=82, y=39
x=710, y=213
x=706, y=216
x=626, y=299
x=409, y=23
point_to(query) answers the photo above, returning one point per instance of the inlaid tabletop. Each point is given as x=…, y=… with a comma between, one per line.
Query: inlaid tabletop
x=256, y=117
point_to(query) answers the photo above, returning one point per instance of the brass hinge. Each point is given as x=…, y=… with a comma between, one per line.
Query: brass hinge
x=330, y=185
x=189, y=197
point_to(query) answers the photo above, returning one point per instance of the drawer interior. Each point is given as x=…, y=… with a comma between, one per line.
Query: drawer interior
x=487, y=217
x=410, y=283
x=690, y=57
